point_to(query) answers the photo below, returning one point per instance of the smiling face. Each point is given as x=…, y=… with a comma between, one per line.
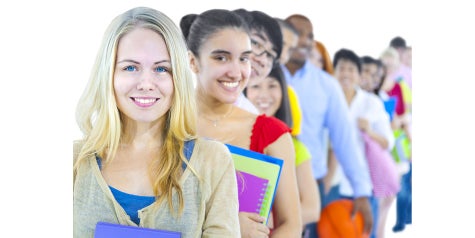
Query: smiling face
x=347, y=74
x=222, y=67
x=289, y=43
x=143, y=83
x=370, y=75
x=262, y=57
x=305, y=41
x=265, y=94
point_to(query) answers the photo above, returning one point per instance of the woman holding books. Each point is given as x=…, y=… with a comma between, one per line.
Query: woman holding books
x=220, y=48
x=141, y=163
x=270, y=96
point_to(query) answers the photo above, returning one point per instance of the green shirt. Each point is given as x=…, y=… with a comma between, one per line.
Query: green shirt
x=301, y=152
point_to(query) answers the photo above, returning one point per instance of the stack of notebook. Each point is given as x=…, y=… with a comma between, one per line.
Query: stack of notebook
x=257, y=176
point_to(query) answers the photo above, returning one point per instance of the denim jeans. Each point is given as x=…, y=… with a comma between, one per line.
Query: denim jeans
x=332, y=195
x=310, y=230
x=404, y=202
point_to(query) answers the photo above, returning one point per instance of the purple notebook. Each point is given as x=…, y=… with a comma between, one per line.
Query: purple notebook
x=109, y=230
x=251, y=192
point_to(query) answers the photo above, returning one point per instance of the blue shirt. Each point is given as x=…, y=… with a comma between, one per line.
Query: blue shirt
x=325, y=112
x=133, y=203
x=130, y=202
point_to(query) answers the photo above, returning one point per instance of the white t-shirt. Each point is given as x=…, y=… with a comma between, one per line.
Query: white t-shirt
x=245, y=104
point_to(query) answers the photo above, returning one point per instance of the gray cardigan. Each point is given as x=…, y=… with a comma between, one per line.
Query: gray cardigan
x=210, y=198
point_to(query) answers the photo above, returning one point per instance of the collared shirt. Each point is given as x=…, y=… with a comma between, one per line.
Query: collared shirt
x=370, y=107
x=325, y=113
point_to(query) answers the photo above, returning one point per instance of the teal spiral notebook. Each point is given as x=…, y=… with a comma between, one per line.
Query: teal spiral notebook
x=266, y=168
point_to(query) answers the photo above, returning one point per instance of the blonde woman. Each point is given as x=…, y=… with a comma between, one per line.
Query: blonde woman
x=140, y=162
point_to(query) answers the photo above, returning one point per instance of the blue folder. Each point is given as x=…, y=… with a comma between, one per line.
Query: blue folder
x=109, y=230
x=390, y=107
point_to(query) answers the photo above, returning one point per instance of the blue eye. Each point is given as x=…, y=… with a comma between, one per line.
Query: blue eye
x=161, y=69
x=130, y=68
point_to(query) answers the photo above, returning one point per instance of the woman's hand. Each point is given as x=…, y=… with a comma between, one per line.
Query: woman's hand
x=252, y=225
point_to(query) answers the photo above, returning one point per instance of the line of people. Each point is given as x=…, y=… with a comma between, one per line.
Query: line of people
x=153, y=152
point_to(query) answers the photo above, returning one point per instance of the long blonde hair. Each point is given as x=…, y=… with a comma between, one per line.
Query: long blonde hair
x=99, y=118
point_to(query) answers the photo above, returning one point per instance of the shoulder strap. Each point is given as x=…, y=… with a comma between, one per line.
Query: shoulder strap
x=188, y=151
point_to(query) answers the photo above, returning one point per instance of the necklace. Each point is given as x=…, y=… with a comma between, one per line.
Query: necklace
x=215, y=121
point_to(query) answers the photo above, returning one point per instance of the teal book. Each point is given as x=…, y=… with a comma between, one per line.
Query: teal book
x=267, y=169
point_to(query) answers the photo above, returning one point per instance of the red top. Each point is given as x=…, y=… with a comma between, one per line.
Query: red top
x=397, y=92
x=266, y=130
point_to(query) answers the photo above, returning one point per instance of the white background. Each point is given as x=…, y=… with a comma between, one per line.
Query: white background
x=47, y=49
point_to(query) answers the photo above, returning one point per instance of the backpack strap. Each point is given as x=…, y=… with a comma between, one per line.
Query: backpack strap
x=188, y=151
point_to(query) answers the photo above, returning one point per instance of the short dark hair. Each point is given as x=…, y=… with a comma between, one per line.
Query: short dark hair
x=367, y=59
x=261, y=22
x=398, y=42
x=346, y=54
x=370, y=60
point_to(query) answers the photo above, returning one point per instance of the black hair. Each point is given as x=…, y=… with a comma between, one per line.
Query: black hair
x=398, y=42
x=367, y=60
x=370, y=60
x=379, y=64
x=197, y=28
x=346, y=54
x=261, y=22
x=383, y=78
x=284, y=112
